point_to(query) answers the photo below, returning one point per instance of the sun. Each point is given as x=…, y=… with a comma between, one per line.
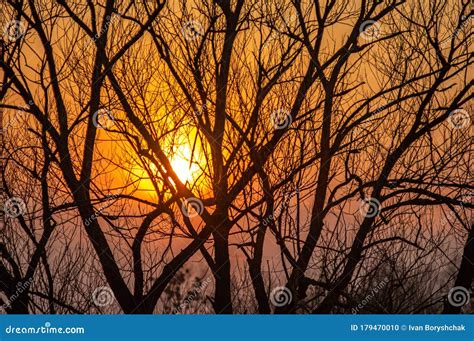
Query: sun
x=179, y=159
x=181, y=164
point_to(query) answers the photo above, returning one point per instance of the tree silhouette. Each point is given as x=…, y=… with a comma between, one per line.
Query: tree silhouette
x=328, y=143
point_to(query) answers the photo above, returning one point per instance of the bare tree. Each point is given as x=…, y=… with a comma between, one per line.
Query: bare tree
x=320, y=140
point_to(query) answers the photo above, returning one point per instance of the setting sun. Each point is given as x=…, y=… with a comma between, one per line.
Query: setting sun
x=243, y=157
x=185, y=167
x=182, y=164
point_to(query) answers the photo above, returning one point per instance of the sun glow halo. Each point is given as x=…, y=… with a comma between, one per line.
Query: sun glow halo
x=180, y=162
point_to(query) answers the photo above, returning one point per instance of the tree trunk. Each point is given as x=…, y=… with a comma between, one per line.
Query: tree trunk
x=222, y=299
x=465, y=274
x=259, y=286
